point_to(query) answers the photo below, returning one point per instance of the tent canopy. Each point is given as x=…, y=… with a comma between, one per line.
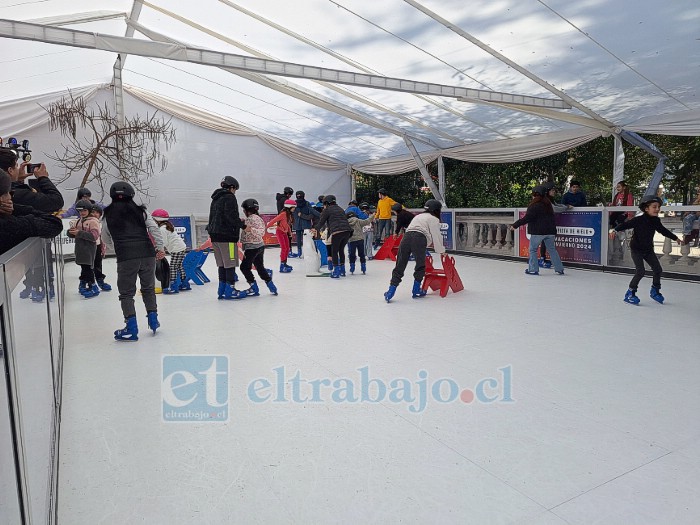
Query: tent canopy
x=629, y=65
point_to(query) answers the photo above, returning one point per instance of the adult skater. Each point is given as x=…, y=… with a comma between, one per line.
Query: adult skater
x=129, y=229
x=423, y=231
x=541, y=226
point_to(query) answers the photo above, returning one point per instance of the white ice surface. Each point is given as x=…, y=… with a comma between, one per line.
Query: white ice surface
x=604, y=426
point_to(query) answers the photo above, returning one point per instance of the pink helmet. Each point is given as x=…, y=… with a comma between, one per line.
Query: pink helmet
x=160, y=214
x=289, y=203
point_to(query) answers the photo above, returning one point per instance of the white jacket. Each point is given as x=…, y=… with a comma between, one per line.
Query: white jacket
x=172, y=241
x=428, y=225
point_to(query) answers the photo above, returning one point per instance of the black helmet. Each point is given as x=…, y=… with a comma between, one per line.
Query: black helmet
x=432, y=205
x=229, y=182
x=352, y=203
x=288, y=190
x=539, y=190
x=364, y=206
x=250, y=204
x=84, y=192
x=396, y=206
x=83, y=204
x=351, y=214
x=548, y=186
x=382, y=191
x=647, y=200
x=329, y=199
x=122, y=190
x=300, y=195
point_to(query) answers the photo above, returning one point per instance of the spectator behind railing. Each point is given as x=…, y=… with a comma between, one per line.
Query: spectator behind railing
x=42, y=194
x=18, y=223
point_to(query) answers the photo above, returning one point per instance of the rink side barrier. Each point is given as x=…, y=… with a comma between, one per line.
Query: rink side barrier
x=31, y=357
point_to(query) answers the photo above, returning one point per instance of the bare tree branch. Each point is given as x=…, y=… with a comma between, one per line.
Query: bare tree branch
x=97, y=146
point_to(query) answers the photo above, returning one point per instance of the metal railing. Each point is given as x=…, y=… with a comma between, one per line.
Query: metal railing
x=31, y=357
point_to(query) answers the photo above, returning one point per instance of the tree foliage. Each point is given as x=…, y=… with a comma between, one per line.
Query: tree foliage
x=97, y=145
x=472, y=185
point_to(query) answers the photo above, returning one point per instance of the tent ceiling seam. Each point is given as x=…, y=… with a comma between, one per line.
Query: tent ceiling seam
x=601, y=46
x=467, y=36
x=341, y=90
x=354, y=63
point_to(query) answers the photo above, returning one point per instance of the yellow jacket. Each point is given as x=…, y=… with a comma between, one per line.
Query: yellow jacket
x=384, y=208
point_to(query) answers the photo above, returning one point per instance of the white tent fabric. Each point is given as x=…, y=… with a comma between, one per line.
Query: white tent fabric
x=629, y=65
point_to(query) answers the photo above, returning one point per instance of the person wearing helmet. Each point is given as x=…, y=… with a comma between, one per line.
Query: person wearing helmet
x=642, y=247
x=403, y=217
x=423, y=231
x=131, y=231
x=83, y=193
x=284, y=222
x=339, y=232
x=542, y=229
x=286, y=194
x=176, y=247
x=383, y=215
x=224, y=231
x=86, y=232
x=304, y=215
x=354, y=208
x=254, y=250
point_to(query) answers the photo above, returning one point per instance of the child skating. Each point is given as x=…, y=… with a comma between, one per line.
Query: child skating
x=423, y=231
x=176, y=247
x=254, y=250
x=86, y=231
x=642, y=247
x=284, y=222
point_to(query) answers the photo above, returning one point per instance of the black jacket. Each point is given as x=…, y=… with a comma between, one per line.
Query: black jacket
x=403, y=219
x=539, y=218
x=41, y=195
x=281, y=197
x=334, y=217
x=26, y=222
x=224, y=221
x=126, y=224
x=644, y=228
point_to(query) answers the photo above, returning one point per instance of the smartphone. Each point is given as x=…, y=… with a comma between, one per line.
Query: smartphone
x=31, y=167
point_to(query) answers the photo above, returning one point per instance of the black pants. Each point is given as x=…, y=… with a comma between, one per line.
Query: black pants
x=254, y=257
x=338, y=242
x=411, y=243
x=300, y=240
x=127, y=272
x=356, y=247
x=653, y=261
x=87, y=274
x=97, y=266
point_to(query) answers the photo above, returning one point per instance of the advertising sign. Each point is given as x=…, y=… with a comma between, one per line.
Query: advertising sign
x=578, y=236
x=446, y=229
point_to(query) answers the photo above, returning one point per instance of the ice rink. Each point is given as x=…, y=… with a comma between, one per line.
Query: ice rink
x=582, y=410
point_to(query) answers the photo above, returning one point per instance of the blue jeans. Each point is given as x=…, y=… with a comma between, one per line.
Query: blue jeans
x=535, y=241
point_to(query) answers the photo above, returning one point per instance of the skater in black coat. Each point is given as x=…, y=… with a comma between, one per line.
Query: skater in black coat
x=642, y=247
